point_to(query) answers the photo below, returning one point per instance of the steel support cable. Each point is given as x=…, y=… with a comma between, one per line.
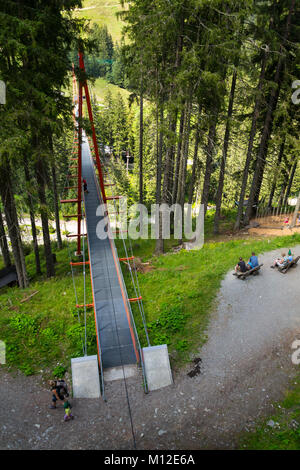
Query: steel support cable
x=84, y=279
x=72, y=272
x=119, y=344
x=75, y=290
x=129, y=307
x=124, y=288
x=96, y=322
x=139, y=294
x=121, y=357
x=135, y=330
x=131, y=315
x=136, y=287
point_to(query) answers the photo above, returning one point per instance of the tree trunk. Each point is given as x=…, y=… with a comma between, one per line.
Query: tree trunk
x=297, y=208
x=267, y=129
x=250, y=143
x=12, y=224
x=195, y=161
x=56, y=208
x=277, y=171
x=141, y=181
x=39, y=170
x=224, y=155
x=194, y=167
x=172, y=128
x=291, y=179
x=177, y=166
x=32, y=220
x=183, y=160
x=261, y=156
x=55, y=196
x=159, y=245
x=184, y=157
x=210, y=150
x=4, y=244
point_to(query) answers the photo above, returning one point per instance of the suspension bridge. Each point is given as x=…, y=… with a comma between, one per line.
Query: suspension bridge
x=117, y=339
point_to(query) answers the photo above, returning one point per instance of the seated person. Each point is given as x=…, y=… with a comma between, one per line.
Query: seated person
x=280, y=262
x=253, y=261
x=241, y=266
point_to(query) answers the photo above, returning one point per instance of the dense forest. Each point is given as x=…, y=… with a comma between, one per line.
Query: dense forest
x=210, y=117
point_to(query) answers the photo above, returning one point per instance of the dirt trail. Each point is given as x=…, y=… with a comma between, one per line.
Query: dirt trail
x=245, y=366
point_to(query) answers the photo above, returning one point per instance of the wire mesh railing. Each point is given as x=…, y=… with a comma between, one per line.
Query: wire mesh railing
x=136, y=288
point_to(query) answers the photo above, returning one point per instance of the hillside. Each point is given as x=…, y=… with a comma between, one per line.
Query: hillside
x=103, y=12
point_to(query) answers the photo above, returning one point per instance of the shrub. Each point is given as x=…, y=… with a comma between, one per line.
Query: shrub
x=59, y=371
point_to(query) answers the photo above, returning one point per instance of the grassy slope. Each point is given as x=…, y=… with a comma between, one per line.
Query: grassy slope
x=101, y=87
x=178, y=297
x=103, y=12
x=285, y=434
x=44, y=331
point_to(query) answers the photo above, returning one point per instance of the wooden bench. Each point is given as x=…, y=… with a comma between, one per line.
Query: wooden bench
x=253, y=271
x=284, y=269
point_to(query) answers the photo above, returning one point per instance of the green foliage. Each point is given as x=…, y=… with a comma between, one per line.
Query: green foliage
x=179, y=292
x=49, y=336
x=76, y=335
x=24, y=324
x=178, y=295
x=182, y=345
x=59, y=371
x=42, y=331
x=284, y=434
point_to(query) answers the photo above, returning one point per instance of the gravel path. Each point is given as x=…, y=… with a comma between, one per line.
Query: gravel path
x=245, y=366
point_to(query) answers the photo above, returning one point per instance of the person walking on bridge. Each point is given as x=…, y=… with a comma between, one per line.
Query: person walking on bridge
x=85, y=186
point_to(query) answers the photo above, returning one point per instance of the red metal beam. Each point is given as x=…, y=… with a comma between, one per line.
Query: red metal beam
x=135, y=299
x=115, y=212
x=80, y=263
x=109, y=198
x=126, y=259
x=77, y=235
x=65, y=201
x=86, y=305
x=90, y=112
x=79, y=176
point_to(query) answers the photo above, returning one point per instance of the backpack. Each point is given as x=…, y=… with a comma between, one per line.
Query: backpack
x=63, y=389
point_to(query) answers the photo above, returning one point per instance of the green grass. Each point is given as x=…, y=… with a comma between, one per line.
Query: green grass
x=285, y=435
x=44, y=331
x=101, y=87
x=178, y=296
x=226, y=223
x=179, y=293
x=103, y=12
